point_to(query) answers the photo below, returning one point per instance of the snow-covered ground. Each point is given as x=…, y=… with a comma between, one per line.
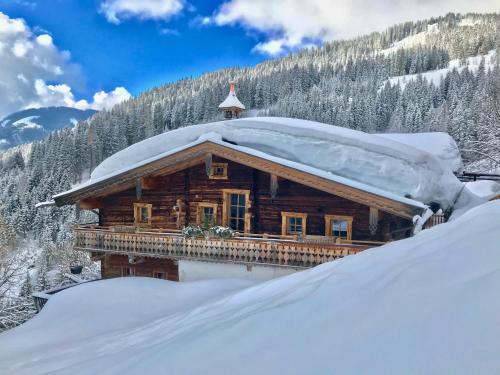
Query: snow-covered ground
x=425, y=305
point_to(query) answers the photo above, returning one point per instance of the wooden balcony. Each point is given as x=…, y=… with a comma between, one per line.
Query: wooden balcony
x=247, y=249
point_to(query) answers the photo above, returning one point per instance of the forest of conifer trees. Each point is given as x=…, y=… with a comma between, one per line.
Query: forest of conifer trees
x=344, y=83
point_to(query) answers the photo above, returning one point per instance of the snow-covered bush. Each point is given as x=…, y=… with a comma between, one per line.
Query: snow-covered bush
x=206, y=231
x=193, y=231
x=222, y=232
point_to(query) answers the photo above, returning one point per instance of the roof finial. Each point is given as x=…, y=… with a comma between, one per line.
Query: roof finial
x=231, y=106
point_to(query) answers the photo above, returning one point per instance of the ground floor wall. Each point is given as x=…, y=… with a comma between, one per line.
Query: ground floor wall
x=196, y=270
x=186, y=270
x=121, y=265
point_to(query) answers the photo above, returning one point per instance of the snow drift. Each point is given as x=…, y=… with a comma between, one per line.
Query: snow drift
x=424, y=305
x=362, y=160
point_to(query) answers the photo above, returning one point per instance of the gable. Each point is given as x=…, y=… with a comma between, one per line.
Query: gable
x=199, y=153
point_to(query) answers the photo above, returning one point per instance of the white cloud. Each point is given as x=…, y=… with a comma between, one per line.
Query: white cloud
x=288, y=24
x=116, y=11
x=44, y=40
x=61, y=95
x=105, y=100
x=35, y=73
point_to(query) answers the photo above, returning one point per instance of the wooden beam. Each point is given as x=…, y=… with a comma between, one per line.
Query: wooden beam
x=90, y=203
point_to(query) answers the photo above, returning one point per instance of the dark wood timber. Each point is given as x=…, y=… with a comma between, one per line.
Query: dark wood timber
x=194, y=187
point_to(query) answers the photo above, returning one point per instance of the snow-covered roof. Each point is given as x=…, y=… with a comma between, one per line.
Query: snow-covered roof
x=439, y=144
x=231, y=100
x=359, y=160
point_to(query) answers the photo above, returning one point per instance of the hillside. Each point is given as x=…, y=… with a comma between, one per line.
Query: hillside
x=424, y=305
x=36, y=123
x=348, y=83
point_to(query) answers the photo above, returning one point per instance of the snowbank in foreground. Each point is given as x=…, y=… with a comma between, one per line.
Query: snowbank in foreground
x=379, y=164
x=425, y=305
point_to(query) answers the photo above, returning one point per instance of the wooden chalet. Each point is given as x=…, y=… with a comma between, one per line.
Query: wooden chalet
x=284, y=218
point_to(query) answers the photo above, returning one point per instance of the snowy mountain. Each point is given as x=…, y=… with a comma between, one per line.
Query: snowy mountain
x=424, y=305
x=36, y=123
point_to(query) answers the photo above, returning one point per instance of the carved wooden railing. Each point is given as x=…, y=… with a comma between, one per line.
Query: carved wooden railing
x=255, y=249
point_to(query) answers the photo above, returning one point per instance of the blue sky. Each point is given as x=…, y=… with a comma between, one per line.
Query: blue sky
x=96, y=53
x=136, y=54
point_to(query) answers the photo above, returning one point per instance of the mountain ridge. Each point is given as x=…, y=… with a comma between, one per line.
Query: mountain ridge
x=33, y=124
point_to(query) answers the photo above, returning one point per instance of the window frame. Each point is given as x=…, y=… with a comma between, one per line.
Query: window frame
x=285, y=222
x=213, y=176
x=328, y=225
x=137, y=213
x=199, y=211
x=226, y=205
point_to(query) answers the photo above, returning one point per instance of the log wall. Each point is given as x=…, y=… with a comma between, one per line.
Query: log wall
x=114, y=265
x=193, y=186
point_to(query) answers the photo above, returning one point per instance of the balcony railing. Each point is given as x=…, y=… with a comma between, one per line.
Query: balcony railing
x=249, y=248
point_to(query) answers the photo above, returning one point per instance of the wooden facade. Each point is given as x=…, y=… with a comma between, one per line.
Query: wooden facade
x=264, y=214
x=282, y=217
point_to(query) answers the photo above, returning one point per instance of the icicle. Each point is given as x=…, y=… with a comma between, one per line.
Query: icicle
x=274, y=186
x=138, y=188
x=373, y=223
x=208, y=164
x=419, y=221
x=77, y=212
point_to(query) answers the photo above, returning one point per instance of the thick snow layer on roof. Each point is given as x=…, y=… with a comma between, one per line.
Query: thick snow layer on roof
x=425, y=305
x=367, y=162
x=231, y=101
x=441, y=145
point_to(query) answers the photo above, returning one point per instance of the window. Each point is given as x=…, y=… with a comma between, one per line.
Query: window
x=218, y=171
x=338, y=226
x=235, y=209
x=160, y=275
x=206, y=214
x=142, y=213
x=128, y=271
x=293, y=223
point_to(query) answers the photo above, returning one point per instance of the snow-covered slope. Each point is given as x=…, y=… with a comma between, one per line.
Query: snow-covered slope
x=435, y=76
x=36, y=123
x=411, y=41
x=369, y=162
x=438, y=144
x=426, y=305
